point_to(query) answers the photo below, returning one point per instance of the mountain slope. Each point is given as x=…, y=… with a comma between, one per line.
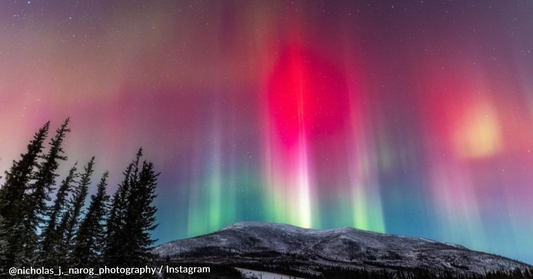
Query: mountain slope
x=307, y=249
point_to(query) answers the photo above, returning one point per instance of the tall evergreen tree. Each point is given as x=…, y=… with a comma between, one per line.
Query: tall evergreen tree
x=90, y=236
x=132, y=217
x=70, y=222
x=35, y=206
x=12, y=197
x=114, y=252
x=140, y=216
x=52, y=232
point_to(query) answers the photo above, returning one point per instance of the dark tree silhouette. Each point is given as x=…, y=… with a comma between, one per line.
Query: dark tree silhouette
x=53, y=233
x=140, y=216
x=35, y=204
x=12, y=199
x=132, y=217
x=90, y=236
x=114, y=250
x=71, y=219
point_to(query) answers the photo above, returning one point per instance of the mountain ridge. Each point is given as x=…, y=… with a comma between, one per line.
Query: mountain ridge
x=307, y=249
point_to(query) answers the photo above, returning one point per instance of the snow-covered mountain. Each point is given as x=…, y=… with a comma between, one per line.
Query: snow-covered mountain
x=255, y=242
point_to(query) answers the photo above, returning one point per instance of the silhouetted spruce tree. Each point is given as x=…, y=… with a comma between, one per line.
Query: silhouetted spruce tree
x=132, y=217
x=114, y=247
x=140, y=216
x=69, y=224
x=12, y=200
x=35, y=206
x=53, y=232
x=90, y=236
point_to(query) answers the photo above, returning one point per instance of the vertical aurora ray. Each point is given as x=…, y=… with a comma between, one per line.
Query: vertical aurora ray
x=366, y=198
x=363, y=170
x=303, y=192
x=287, y=107
x=197, y=217
x=212, y=191
x=214, y=185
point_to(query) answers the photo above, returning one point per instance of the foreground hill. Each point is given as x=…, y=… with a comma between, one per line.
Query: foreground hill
x=308, y=251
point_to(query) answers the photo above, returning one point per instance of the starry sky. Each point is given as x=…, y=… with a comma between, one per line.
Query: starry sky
x=403, y=117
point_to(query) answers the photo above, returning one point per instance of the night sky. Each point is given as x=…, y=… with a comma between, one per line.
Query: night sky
x=404, y=117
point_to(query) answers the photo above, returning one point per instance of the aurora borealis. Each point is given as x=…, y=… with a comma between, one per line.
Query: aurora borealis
x=404, y=117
